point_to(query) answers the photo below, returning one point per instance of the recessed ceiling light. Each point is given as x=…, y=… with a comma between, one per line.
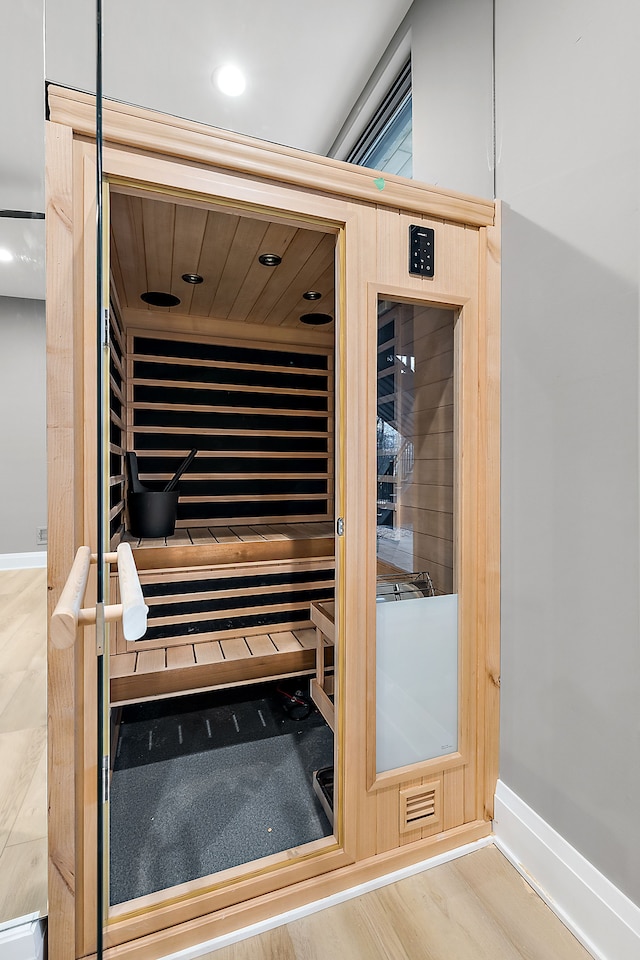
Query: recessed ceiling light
x=192, y=278
x=230, y=80
x=312, y=295
x=5, y=255
x=316, y=319
x=158, y=299
x=269, y=259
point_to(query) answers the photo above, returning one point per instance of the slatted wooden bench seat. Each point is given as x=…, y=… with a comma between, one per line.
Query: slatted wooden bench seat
x=222, y=624
x=214, y=663
x=200, y=546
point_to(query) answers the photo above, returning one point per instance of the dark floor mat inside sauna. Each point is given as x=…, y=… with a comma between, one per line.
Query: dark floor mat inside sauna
x=208, y=782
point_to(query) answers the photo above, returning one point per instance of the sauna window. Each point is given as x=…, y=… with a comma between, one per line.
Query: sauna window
x=416, y=593
x=386, y=142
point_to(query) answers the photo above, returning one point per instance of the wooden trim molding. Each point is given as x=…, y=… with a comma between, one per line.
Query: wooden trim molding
x=599, y=914
x=62, y=494
x=183, y=932
x=189, y=140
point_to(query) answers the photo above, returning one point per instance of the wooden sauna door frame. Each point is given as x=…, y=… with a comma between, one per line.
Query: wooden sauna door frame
x=464, y=536
x=204, y=895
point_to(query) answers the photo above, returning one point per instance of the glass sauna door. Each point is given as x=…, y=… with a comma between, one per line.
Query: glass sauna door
x=416, y=587
x=221, y=765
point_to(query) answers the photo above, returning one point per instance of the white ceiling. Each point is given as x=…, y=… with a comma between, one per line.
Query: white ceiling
x=306, y=64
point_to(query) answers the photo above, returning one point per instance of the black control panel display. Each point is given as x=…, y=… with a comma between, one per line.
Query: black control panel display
x=421, y=250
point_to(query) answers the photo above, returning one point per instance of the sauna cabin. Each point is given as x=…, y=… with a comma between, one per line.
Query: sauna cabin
x=316, y=349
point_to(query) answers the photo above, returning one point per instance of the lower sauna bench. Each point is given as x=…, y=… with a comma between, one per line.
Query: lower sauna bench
x=222, y=625
x=214, y=663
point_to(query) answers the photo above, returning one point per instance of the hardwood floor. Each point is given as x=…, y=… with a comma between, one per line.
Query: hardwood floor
x=475, y=908
x=23, y=729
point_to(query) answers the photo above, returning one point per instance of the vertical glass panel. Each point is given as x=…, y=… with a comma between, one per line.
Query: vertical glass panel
x=219, y=755
x=416, y=600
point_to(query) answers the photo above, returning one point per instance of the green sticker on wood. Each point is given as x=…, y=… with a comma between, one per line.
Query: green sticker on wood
x=379, y=182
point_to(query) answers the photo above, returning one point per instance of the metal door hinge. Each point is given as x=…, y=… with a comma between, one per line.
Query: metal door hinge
x=105, y=779
x=340, y=527
x=100, y=626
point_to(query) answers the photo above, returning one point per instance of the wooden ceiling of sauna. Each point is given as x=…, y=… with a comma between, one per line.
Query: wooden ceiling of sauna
x=154, y=242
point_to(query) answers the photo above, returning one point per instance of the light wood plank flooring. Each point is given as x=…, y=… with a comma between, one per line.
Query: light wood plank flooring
x=23, y=728
x=475, y=908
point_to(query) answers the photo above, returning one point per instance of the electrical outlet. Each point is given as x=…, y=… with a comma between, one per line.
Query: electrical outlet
x=41, y=536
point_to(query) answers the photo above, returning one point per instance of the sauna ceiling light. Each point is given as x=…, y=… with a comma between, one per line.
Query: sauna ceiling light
x=315, y=319
x=157, y=299
x=5, y=255
x=269, y=259
x=312, y=295
x=230, y=79
x=192, y=278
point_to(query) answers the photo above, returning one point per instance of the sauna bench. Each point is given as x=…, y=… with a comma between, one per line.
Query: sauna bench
x=171, y=670
x=235, y=619
x=198, y=546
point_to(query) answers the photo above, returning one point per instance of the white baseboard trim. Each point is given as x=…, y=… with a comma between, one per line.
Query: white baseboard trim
x=310, y=908
x=22, y=939
x=23, y=561
x=603, y=919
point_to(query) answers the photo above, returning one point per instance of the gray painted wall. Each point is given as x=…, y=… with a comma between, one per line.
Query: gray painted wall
x=23, y=464
x=451, y=48
x=567, y=83
x=568, y=132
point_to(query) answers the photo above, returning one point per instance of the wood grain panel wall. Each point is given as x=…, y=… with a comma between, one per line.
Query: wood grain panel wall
x=259, y=414
x=156, y=241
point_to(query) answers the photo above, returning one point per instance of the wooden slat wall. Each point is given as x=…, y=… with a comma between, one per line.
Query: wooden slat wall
x=260, y=415
x=117, y=422
x=197, y=605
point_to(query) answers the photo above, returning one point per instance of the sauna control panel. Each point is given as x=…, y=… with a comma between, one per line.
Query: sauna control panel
x=421, y=250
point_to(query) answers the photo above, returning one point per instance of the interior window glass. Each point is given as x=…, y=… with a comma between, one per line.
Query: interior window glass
x=416, y=595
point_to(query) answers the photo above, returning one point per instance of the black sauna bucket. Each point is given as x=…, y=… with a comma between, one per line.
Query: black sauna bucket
x=152, y=513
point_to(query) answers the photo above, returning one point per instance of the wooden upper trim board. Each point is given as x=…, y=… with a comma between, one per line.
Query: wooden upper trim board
x=173, y=136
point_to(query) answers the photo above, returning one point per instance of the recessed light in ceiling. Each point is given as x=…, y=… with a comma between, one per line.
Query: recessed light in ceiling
x=316, y=319
x=158, y=299
x=5, y=255
x=192, y=278
x=312, y=295
x=230, y=80
x=269, y=259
